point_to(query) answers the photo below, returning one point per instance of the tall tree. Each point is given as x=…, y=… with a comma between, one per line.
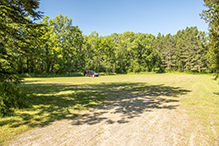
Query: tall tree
x=63, y=52
x=211, y=16
x=16, y=37
x=108, y=54
x=168, y=52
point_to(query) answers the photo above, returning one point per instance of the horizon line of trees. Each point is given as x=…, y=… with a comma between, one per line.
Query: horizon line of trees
x=65, y=49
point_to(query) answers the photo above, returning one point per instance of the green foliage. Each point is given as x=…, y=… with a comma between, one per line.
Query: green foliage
x=63, y=50
x=140, y=73
x=106, y=73
x=19, y=38
x=67, y=50
x=73, y=74
x=187, y=50
x=11, y=97
x=119, y=53
x=211, y=16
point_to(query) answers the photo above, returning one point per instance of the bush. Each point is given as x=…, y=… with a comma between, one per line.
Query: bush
x=73, y=74
x=25, y=75
x=106, y=73
x=141, y=73
x=11, y=97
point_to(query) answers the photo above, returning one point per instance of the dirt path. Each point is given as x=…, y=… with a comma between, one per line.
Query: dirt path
x=120, y=123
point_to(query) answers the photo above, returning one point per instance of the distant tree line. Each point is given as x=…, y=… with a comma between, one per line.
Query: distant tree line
x=65, y=49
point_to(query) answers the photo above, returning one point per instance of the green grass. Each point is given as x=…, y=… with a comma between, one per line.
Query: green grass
x=59, y=98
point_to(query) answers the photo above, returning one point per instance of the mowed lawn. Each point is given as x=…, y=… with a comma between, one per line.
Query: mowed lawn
x=62, y=98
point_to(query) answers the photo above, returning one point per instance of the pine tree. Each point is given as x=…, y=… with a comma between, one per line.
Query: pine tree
x=211, y=16
x=17, y=36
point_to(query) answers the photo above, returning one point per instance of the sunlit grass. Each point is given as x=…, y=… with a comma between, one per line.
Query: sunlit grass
x=61, y=98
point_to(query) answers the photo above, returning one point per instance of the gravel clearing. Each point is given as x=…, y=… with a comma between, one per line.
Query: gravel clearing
x=123, y=123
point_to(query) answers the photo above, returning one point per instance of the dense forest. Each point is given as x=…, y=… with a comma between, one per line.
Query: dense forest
x=56, y=46
x=65, y=49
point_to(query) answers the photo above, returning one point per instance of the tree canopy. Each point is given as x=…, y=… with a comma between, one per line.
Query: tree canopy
x=68, y=50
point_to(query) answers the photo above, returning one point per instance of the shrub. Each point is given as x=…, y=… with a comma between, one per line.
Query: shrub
x=26, y=75
x=106, y=73
x=75, y=74
x=11, y=97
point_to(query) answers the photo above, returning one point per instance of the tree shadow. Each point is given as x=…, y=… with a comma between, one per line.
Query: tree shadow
x=52, y=102
x=130, y=100
x=216, y=93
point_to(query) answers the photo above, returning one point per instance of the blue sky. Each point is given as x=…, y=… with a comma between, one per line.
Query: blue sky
x=145, y=16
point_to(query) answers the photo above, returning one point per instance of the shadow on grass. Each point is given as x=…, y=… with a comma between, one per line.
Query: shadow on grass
x=216, y=93
x=51, y=102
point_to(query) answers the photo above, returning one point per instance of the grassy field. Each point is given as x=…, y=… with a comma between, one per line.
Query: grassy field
x=64, y=97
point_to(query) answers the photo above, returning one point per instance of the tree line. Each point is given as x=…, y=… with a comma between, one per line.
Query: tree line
x=65, y=49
